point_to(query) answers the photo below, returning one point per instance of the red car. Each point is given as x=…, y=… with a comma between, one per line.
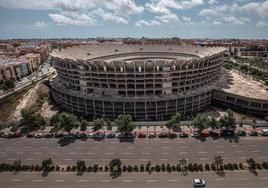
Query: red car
x=204, y=134
x=141, y=135
x=172, y=135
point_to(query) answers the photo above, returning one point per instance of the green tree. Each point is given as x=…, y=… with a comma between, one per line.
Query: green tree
x=218, y=161
x=115, y=164
x=47, y=164
x=81, y=165
x=8, y=84
x=65, y=121
x=31, y=120
x=84, y=124
x=254, y=122
x=108, y=123
x=228, y=120
x=199, y=123
x=124, y=123
x=98, y=124
x=251, y=164
x=212, y=123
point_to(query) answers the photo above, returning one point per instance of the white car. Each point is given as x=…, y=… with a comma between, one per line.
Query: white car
x=199, y=183
x=195, y=134
x=38, y=135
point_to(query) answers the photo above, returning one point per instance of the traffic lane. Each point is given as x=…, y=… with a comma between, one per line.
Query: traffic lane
x=140, y=151
x=231, y=179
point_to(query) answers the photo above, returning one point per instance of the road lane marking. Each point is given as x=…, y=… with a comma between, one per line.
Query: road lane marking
x=173, y=180
x=29, y=159
x=37, y=180
x=130, y=147
x=109, y=153
x=91, y=153
x=72, y=153
x=261, y=157
x=202, y=152
x=219, y=146
x=16, y=180
x=94, y=147
x=144, y=153
x=263, y=178
x=11, y=159
x=184, y=152
x=43, y=147
x=124, y=159
x=241, y=157
x=27, y=147
x=166, y=147
x=82, y=181
x=219, y=151
x=147, y=147
x=105, y=181
x=238, y=151
x=242, y=179
x=256, y=151
x=59, y=180
x=19, y=153
x=127, y=181
x=234, y=146
x=127, y=153
x=150, y=181
x=219, y=179
x=165, y=153
x=252, y=145
x=54, y=153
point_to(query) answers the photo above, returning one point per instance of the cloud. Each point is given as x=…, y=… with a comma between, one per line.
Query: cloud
x=168, y=18
x=261, y=24
x=40, y=24
x=107, y=16
x=187, y=19
x=74, y=19
x=164, y=6
x=234, y=20
x=142, y=23
x=216, y=23
x=212, y=2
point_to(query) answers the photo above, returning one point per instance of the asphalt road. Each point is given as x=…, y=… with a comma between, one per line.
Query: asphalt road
x=33, y=150
x=236, y=179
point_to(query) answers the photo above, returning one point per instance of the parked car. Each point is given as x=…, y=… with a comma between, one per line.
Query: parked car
x=162, y=135
x=172, y=135
x=264, y=132
x=227, y=132
x=90, y=135
x=195, y=134
x=119, y=135
x=131, y=135
x=110, y=135
x=253, y=133
x=6, y=135
x=199, y=183
x=183, y=135
x=213, y=134
x=30, y=135
x=15, y=135
x=204, y=134
x=141, y=135
x=99, y=135
x=58, y=135
x=38, y=135
x=241, y=133
x=49, y=135
x=152, y=135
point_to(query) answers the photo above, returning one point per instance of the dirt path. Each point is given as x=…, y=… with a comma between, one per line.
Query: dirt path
x=27, y=100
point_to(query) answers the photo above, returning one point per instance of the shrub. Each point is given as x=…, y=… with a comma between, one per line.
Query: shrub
x=226, y=167
x=258, y=166
x=241, y=166
x=200, y=167
x=68, y=168
x=89, y=169
x=124, y=168
x=230, y=166
x=73, y=168
x=57, y=168
x=235, y=166
x=157, y=168
x=190, y=167
x=163, y=167
x=173, y=167
x=95, y=168
x=129, y=168
x=168, y=168
x=142, y=168
x=265, y=165
x=207, y=167
x=213, y=166
x=106, y=168
x=195, y=167
x=152, y=168
x=101, y=168
x=136, y=168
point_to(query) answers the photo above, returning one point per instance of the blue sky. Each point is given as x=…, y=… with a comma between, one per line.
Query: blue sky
x=134, y=18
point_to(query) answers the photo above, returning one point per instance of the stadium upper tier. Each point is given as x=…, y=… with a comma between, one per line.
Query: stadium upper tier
x=129, y=52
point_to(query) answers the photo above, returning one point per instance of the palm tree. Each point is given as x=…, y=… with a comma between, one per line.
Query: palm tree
x=228, y=120
x=254, y=122
x=218, y=161
x=98, y=124
x=183, y=164
x=199, y=123
x=124, y=123
x=212, y=123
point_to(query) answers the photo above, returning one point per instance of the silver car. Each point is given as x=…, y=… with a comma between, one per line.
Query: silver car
x=199, y=183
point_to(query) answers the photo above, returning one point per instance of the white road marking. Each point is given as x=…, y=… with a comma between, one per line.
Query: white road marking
x=252, y=145
x=27, y=147
x=82, y=181
x=124, y=159
x=239, y=151
x=242, y=179
x=150, y=181
x=144, y=153
x=234, y=146
x=219, y=179
x=127, y=181
x=19, y=153
x=166, y=147
x=173, y=180
x=16, y=180
x=54, y=153
x=37, y=153
x=43, y=147
x=67, y=159
x=241, y=157
x=37, y=180
x=219, y=146
x=165, y=153
x=105, y=181
x=105, y=159
x=59, y=180
x=261, y=157
x=112, y=147
x=219, y=151
x=256, y=151
x=72, y=153
x=184, y=152
x=11, y=159
x=130, y=147
x=77, y=147
x=109, y=153
x=202, y=152
x=263, y=178
x=147, y=147
x=29, y=159
x=94, y=147
x=127, y=153
x=91, y=153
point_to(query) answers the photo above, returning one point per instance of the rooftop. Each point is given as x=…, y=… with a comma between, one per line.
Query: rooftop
x=232, y=82
x=110, y=52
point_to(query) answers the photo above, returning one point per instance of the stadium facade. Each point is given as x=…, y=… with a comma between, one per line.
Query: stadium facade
x=149, y=82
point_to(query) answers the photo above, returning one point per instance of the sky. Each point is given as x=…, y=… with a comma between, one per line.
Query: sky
x=215, y=19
